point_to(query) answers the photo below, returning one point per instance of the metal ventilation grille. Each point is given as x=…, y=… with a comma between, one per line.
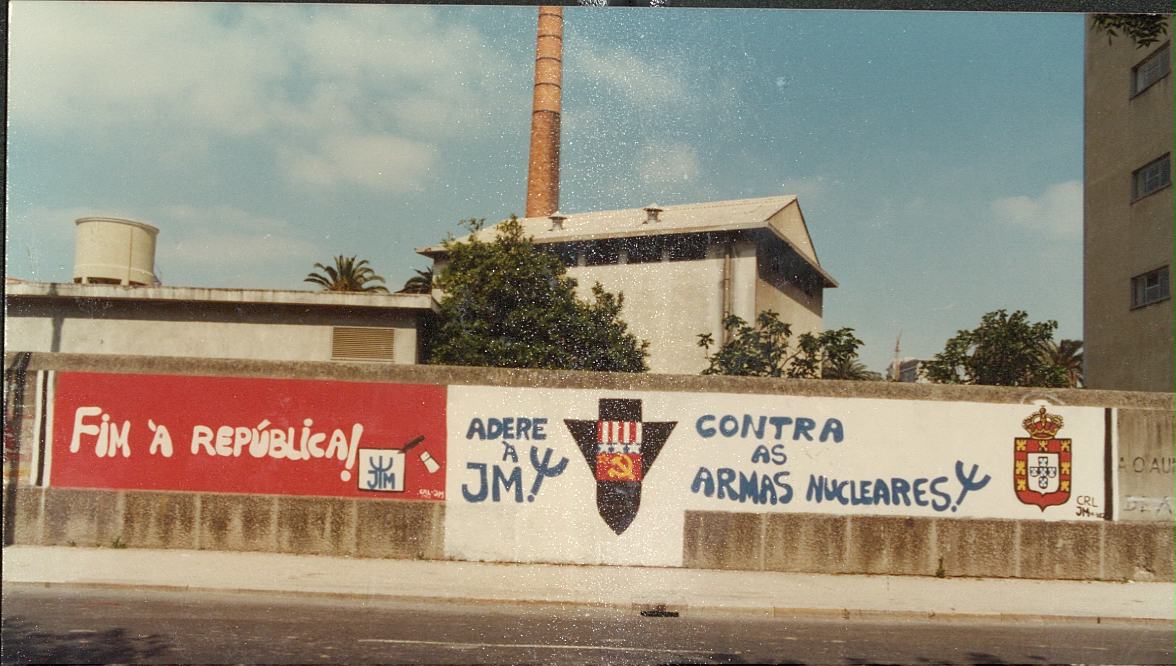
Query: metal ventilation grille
x=353, y=343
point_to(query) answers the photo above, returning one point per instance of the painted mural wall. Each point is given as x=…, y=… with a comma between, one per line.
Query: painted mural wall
x=242, y=435
x=605, y=476
x=576, y=475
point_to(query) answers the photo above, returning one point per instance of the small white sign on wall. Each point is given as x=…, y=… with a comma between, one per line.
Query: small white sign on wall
x=380, y=470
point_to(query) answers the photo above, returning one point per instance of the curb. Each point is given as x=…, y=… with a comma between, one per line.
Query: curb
x=799, y=613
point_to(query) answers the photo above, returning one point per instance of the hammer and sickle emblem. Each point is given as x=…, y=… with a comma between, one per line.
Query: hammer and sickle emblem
x=621, y=467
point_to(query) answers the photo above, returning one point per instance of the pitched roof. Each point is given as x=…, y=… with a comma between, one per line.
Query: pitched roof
x=779, y=215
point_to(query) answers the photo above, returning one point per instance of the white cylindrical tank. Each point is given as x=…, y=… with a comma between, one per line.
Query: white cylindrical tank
x=111, y=250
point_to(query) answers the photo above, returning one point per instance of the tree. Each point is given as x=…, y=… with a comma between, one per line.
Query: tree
x=1143, y=29
x=347, y=275
x=1067, y=354
x=764, y=350
x=1005, y=350
x=421, y=283
x=849, y=368
x=508, y=303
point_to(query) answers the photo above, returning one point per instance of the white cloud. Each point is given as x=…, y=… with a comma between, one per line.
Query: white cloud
x=241, y=247
x=1056, y=211
x=375, y=161
x=108, y=64
x=638, y=81
x=280, y=75
x=673, y=163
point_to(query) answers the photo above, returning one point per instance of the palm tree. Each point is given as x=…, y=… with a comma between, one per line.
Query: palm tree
x=1067, y=354
x=421, y=283
x=347, y=275
x=849, y=368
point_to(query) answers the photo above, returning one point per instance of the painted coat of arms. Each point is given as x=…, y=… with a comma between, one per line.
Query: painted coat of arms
x=620, y=449
x=1042, y=462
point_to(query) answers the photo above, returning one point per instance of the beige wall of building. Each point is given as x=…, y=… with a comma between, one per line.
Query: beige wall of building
x=669, y=303
x=209, y=323
x=1126, y=236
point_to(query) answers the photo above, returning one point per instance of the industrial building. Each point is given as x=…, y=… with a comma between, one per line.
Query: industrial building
x=683, y=269
x=1128, y=214
x=116, y=306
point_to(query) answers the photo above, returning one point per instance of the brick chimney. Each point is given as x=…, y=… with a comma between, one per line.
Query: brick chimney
x=543, y=166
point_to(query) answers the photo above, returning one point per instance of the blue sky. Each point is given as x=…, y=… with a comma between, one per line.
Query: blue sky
x=937, y=156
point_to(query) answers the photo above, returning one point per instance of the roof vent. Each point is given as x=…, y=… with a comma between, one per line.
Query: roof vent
x=557, y=219
x=651, y=213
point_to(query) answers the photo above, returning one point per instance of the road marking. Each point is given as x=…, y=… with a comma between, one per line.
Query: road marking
x=529, y=645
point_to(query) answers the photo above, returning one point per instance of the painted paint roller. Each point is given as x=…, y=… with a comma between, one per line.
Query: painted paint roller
x=431, y=465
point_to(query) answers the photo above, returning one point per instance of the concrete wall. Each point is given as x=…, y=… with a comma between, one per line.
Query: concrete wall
x=1144, y=474
x=1125, y=348
x=812, y=543
x=218, y=521
x=936, y=545
x=265, y=331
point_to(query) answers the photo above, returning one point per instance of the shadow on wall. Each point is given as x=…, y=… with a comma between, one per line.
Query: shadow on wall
x=14, y=400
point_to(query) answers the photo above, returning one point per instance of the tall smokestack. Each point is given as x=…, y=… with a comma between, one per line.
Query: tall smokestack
x=543, y=166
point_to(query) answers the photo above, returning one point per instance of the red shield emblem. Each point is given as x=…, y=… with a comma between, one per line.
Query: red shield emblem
x=1041, y=462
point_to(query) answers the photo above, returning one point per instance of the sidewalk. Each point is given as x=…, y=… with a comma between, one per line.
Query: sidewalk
x=895, y=597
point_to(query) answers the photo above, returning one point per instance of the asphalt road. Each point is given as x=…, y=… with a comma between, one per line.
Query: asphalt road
x=91, y=625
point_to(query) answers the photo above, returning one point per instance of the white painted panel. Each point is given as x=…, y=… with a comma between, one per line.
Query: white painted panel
x=918, y=450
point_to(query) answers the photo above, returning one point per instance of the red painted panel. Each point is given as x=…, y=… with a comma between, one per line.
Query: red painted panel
x=245, y=435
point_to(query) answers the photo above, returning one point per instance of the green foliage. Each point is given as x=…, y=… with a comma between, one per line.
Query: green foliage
x=764, y=350
x=1143, y=29
x=347, y=275
x=510, y=304
x=1067, y=354
x=849, y=368
x=421, y=283
x=1005, y=350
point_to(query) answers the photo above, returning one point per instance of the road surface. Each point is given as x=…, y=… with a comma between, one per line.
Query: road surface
x=61, y=624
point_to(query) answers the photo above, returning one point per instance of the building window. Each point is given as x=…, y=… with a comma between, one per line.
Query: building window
x=1152, y=177
x=568, y=253
x=688, y=248
x=360, y=343
x=602, y=253
x=1151, y=287
x=1152, y=69
x=645, y=250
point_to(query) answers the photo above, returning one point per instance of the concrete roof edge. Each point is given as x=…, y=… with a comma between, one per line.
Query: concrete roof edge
x=218, y=295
